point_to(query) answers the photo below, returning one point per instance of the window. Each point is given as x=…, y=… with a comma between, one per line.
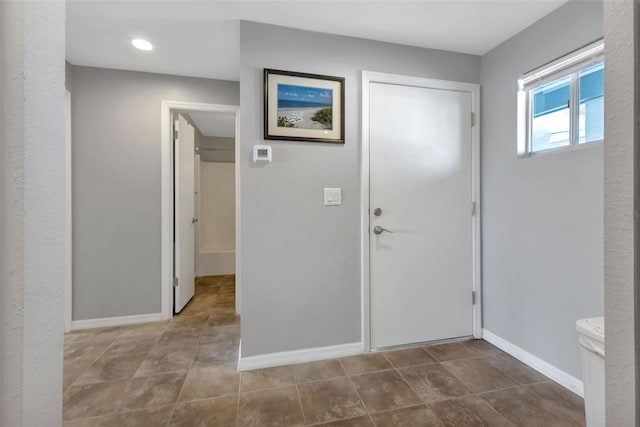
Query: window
x=562, y=104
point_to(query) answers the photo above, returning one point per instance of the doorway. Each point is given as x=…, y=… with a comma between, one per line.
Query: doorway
x=179, y=173
x=204, y=200
x=421, y=246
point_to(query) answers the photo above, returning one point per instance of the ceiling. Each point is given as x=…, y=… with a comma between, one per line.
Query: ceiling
x=214, y=124
x=202, y=38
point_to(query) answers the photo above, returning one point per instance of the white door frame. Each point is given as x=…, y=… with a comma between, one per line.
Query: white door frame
x=166, y=198
x=474, y=89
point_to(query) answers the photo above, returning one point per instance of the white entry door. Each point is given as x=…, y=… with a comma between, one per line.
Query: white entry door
x=421, y=269
x=184, y=201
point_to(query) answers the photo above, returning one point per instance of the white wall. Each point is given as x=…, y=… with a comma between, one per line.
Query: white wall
x=217, y=206
x=300, y=260
x=622, y=119
x=32, y=197
x=216, y=219
x=542, y=216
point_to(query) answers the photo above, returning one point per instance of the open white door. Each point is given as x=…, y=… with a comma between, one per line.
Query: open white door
x=421, y=248
x=184, y=201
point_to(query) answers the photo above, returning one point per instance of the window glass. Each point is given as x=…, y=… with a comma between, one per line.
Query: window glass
x=591, y=112
x=561, y=104
x=551, y=117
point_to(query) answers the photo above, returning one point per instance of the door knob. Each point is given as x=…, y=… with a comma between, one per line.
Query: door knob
x=378, y=230
x=377, y=211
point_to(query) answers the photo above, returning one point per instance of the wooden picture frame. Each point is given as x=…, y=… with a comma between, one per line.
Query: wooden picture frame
x=303, y=107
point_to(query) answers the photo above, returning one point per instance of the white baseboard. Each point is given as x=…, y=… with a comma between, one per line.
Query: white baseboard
x=561, y=377
x=117, y=321
x=299, y=356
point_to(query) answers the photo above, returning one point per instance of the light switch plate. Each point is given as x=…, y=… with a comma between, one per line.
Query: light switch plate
x=332, y=196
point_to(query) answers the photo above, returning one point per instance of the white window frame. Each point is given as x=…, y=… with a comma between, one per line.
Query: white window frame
x=572, y=63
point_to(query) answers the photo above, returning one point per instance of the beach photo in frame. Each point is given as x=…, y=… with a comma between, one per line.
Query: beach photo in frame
x=303, y=107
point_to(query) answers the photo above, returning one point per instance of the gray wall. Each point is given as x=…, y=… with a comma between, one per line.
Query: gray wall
x=622, y=121
x=300, y=265
x=32, y=194
x=116, y=184
x=542, y=216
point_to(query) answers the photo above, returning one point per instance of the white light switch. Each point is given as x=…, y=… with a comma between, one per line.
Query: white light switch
x=332, y=196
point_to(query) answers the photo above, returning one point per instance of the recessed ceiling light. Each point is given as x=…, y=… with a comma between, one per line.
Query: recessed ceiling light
x=142, y=44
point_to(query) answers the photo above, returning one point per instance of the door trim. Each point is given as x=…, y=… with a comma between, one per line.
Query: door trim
x=369, y=77
x=166, y=197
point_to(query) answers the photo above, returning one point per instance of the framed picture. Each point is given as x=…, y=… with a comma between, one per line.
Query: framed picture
x=303, y=107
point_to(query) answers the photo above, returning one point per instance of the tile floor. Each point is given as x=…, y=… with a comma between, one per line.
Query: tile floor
x=183, y=373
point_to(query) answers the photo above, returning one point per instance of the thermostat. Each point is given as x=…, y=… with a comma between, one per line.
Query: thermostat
x=261, y=154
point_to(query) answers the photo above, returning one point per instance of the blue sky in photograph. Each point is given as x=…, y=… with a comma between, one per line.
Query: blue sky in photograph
x=305, y=94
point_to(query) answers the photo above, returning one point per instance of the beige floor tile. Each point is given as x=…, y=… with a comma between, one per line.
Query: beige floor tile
x=469, y=411
x=168, y=359
x=223, y=319
x=274, y=407
x=155, y=390
x=226, y=297
x=217, y=412
x=560, y=400
x=187, y=377
x=178, y=338
x=73, y=369
x=203, y=306
x=218, y=334
x=261, y=379
x=190, y=322
x=132, y=344
x=483, y=348
x=213, y=381
x=227, y=289
x=383, y=391
x=91, y=400
x=112, y=368
x=479, y=375
x=363, y=421
x=329, y=400
x=208, y=290
x=152, y=417
x=432, y=382
x=223, y=354
x=523, y=407
x=321, y=370
x=365, y=363
x=516, y=369
x=145, y=329
x=408, y=357
x=444, y=352
x=414, y=416
x=81, y=350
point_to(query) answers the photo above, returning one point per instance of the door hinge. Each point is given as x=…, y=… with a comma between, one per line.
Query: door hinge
x=175, y=134
x=474, y=208
x=473, y=297
x=473, y=119
x=175, y=282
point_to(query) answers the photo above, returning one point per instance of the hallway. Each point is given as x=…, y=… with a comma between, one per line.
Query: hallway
x=183, y=373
